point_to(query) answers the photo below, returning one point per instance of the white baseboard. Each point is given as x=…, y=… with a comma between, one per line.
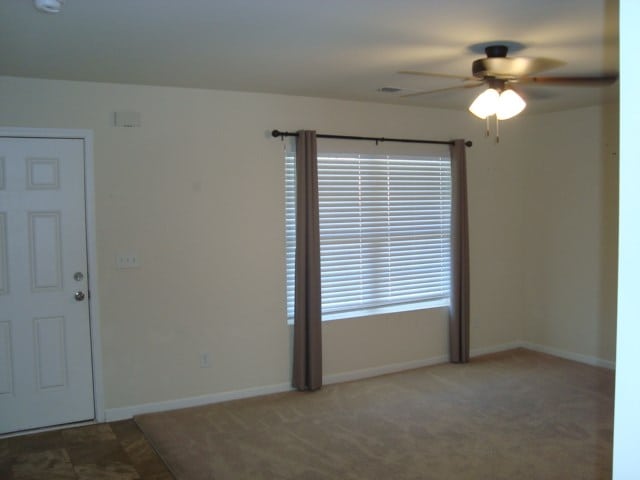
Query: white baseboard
x=382, y=370
x=476, y=352
x=399, y=367
x=577, y=357
x=123, y=413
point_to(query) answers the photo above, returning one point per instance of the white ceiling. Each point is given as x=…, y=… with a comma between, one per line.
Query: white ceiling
x=344, y=49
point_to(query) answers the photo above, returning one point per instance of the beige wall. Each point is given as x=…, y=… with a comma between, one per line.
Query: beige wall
x=570, y=226
x=197, y=192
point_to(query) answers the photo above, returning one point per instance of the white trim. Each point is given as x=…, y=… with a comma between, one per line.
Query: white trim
x=19, y=132
x=52, y=428
x=577, y=357
x=92, y=259
x=123, y=413
x=400, y=367
x=382, y=370
x=477, y=352
x=401, y=307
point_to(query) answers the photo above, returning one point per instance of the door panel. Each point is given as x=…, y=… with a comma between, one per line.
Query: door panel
x=6, y=364
x=45, y=251
x=46, y=373
x=4, y=274
x=50, y=352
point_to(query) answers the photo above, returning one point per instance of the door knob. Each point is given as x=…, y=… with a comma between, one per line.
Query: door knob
x=79, y=296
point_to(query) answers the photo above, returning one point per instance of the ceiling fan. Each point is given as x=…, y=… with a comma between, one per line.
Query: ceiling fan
x=501, y=74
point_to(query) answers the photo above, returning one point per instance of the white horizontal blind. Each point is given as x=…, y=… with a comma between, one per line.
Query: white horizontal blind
x=290, y=228
x=384, y=231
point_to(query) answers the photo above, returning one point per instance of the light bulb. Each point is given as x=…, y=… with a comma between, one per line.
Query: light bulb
x=509, y=105
x=485, y=104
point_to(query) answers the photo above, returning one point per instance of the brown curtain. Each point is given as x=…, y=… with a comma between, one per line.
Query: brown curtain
x=459, y=307
x=307, y=328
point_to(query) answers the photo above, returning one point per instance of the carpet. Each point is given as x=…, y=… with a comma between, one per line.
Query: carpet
x=516, y=414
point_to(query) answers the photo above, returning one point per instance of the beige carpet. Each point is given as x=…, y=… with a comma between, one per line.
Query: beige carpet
x=512, y=415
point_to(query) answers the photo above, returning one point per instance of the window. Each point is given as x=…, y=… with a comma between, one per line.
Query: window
x=384, y=232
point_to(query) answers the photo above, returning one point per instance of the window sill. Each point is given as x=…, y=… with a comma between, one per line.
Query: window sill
x=367, y=312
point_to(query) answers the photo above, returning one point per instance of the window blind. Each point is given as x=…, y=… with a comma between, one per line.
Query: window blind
x=384, y=231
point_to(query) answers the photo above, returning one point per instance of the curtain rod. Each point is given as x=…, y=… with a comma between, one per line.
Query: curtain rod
x=278, y=133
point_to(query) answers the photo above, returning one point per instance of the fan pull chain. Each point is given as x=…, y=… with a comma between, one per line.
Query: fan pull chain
x=487, y=132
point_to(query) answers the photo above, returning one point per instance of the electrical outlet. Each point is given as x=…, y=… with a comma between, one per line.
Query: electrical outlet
x=205, y=360
x=127, y=260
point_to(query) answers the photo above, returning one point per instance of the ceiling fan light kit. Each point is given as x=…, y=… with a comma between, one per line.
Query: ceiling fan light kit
x=500, y=72
x=485, y=104
x=48, y=6
x=503, y=105
x=509, y=105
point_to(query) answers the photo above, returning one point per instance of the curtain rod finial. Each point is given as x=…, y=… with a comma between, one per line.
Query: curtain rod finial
x=468, y=143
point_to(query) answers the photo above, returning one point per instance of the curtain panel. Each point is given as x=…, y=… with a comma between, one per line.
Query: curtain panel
x=307, y=326
x=459, y=306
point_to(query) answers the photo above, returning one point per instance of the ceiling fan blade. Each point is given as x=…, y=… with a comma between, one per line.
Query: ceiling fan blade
x=430, y=74
x=438, y=90
x=529, y=95
x=512, y=67
x=600, y=81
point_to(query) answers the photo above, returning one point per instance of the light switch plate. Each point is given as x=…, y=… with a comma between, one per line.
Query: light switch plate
x=128, y=260
x=127, y=119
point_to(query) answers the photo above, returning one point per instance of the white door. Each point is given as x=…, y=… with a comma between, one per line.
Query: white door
x=46, y=373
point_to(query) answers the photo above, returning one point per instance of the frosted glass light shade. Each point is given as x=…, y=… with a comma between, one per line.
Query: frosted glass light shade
x=485, y=104
x=48, y=6
x=509, y=105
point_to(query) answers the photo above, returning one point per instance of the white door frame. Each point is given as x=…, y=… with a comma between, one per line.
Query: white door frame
x=92, y=260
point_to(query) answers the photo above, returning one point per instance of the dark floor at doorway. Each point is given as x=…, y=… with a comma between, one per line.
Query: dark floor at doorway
x=110, y=451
